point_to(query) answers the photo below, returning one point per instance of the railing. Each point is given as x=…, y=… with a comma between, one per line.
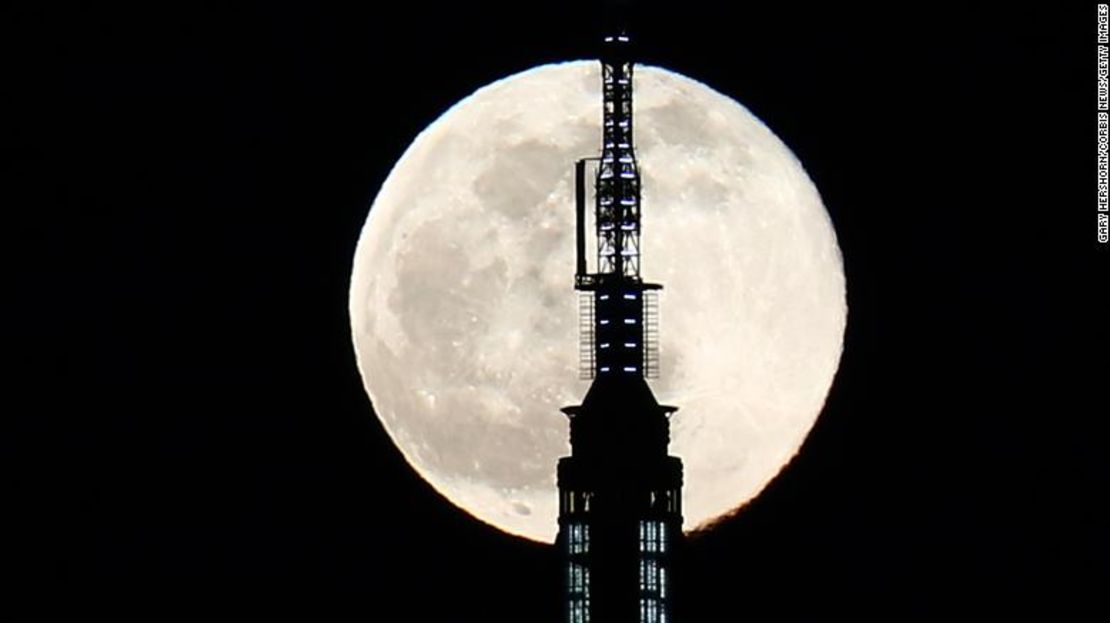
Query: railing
x=585, y=335
x=651, y=334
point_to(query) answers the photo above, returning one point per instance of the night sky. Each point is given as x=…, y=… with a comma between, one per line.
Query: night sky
x=187, y=426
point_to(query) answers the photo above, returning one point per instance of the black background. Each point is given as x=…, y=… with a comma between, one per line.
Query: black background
x=187, y=427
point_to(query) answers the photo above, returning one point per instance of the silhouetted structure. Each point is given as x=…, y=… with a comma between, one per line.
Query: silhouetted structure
x=620, y=512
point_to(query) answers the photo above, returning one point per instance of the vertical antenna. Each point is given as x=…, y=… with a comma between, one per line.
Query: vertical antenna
x=622, y=311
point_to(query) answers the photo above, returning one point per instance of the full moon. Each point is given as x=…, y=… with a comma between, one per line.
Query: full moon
x=465, y=322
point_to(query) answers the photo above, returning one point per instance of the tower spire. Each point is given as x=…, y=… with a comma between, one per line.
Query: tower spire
x=620, y=515
x=619, y=334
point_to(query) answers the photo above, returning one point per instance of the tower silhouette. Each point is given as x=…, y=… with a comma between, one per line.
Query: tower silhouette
x=620, y=512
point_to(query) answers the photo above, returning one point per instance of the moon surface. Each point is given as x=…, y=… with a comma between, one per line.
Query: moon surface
x=464, y=318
